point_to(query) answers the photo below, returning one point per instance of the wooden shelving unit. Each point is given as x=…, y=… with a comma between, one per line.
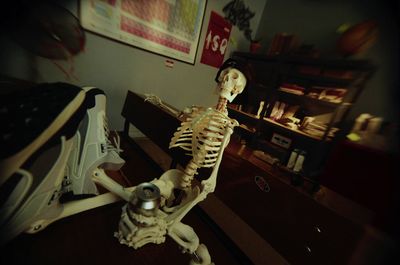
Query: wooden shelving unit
x=268, y=73
x=304, y=98
x=296, y=131
x=242, y=113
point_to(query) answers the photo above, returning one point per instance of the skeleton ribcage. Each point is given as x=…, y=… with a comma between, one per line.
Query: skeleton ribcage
x=201, y=134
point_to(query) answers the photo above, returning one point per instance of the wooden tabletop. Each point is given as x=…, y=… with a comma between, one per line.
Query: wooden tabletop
x=87, y=238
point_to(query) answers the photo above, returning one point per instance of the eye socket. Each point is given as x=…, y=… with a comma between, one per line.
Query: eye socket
x=235, y=75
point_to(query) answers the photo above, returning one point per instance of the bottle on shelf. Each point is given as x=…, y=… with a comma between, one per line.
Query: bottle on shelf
x=298, y=166
x=292, y=158
x=281, y=111
x=260, y=108
x=274, y=110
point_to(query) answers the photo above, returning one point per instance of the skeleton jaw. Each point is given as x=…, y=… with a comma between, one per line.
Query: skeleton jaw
x=227, y=94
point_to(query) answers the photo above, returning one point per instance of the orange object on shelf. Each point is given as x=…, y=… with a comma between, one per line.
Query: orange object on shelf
x=358, y=38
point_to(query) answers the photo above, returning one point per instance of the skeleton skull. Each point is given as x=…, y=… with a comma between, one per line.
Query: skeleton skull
x=231, y=83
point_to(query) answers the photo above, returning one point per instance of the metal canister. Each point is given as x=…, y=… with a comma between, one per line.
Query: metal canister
x=145, y=199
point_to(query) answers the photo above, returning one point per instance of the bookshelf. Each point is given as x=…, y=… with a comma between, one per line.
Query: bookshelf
x=314, y=96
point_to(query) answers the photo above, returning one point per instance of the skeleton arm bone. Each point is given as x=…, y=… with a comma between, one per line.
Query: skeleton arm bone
x=101, y=178
x=157, y=101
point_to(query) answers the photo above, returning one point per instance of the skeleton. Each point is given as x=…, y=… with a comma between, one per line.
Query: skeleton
x=152, y=211
x=204, y=134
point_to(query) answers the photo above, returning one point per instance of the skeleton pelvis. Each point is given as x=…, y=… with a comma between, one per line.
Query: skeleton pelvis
x=169, y=184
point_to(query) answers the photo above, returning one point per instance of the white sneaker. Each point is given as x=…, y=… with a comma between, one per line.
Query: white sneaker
x=93, y=148
x=38, y=134
x=34, y=200
x=30, y=118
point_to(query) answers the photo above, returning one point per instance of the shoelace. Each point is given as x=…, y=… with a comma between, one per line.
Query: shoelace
x=113, y=145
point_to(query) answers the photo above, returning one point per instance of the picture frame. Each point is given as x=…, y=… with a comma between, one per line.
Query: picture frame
x=166, y=27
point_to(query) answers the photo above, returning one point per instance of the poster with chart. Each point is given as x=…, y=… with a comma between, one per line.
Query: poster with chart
x=167, y=27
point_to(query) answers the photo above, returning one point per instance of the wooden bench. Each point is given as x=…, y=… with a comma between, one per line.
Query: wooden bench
x=154, y=122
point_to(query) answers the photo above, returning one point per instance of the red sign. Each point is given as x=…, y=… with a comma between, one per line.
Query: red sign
x=216, y=41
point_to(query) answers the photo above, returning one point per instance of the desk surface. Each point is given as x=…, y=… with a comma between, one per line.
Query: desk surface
x=300, y=229
x=87, y=238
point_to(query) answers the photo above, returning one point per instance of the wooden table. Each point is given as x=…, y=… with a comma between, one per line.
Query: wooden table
x=87, y=238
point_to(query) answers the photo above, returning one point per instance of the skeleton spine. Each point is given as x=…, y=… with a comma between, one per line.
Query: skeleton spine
x=221, y=105
x=190, y=171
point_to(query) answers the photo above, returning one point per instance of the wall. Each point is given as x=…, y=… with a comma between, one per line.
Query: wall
x=315, y=22
x=116, y=68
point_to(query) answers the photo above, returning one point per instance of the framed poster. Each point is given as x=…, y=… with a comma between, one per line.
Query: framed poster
x=167, y=27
